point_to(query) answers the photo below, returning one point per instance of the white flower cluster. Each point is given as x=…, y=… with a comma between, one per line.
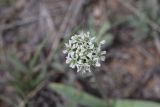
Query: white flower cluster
x=83, y=52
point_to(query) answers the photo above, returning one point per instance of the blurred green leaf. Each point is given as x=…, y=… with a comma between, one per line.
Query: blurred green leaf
x=103, y=29
x=135, y=103
x=109, y=39
x=78, y=96
x=101, y=33
x=19, y=90
x=90, y=101
x=37, y=53
x=39, y=78
x=149, y=9
x=4, y=2
x=18, y=65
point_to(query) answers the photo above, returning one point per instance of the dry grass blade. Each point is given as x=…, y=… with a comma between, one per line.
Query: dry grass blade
x=71, y=16
x=48, y=25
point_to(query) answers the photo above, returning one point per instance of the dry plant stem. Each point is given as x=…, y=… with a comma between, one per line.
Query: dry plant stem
x=99, y=86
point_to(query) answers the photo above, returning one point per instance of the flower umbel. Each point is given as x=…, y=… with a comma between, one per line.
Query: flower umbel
x=83, y=52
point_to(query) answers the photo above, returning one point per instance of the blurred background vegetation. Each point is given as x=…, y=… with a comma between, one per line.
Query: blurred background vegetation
x=33, y=72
